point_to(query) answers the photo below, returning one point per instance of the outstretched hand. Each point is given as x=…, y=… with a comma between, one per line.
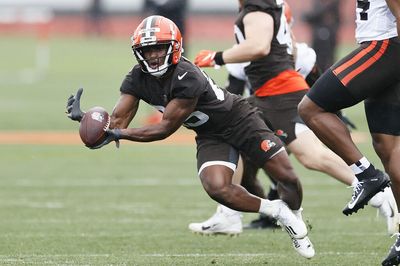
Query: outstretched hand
x=74, y=106
x=205, y=58
x=111, y=135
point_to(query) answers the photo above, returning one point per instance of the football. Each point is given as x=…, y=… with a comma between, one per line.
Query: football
x=93, y=126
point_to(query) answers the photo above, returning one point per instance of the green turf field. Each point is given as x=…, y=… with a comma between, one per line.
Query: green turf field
x=68, y=205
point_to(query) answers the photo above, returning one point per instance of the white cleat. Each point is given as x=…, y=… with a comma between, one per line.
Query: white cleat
x=293, y=223
x=304, y=247
x=221, y=223
x=295, y=227
x=387, y=208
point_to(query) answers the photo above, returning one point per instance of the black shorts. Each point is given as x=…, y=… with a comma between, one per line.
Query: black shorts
x=246, y=133
x=280, y=113
x=367, y=72
x=383, y=112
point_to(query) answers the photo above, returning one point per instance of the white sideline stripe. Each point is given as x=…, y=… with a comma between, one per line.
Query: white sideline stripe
x=255, y=254
x=22, y=257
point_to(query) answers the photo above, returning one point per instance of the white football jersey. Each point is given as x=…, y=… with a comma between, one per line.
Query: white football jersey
x=305, y=59
x=374, y=21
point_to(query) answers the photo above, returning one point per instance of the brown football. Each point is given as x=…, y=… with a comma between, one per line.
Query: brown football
x=93, y=126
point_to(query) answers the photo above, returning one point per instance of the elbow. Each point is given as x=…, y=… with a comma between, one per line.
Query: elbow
x=261, y=51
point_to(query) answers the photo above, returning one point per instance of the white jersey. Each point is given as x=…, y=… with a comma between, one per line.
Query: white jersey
x=305, y=59
x=374, y=21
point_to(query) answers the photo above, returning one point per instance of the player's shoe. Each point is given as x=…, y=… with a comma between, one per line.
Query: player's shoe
x=295, y=227
x=364, y=190
x=304, y=247
x=221, y=223
x=387, y=208
x=393, y=258
x=263, y=222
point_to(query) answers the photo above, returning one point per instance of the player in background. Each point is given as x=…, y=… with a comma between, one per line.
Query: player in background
x=225, y=124
x=278, y=103
x=371, y=74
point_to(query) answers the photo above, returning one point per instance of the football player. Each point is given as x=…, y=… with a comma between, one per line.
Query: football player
x=225, y=124
x=371, y=74
x=277, y=89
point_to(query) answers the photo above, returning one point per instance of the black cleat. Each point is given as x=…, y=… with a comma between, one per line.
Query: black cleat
x=393, y=258
x=365, y=190
x=263, y=222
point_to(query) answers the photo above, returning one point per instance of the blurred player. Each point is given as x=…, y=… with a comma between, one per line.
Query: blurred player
x=371, y=74
x=225, y=125
x=278, y=89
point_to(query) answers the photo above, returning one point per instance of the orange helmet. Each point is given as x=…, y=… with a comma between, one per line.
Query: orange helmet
x=288, y=13
x=157, y=30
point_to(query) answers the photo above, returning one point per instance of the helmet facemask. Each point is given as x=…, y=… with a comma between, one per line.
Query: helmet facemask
x=155, y=58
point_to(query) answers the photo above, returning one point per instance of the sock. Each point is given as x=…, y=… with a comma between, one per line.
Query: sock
x=267, y=208
x=228, y=211
x=298, y=213
x=363, y=169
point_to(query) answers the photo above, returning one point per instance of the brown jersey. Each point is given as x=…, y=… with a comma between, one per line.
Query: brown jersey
x=280, y=58
x=184, y=81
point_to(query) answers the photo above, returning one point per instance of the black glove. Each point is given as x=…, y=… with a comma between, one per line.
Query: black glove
x=111, y=135
x=74, y=106
x=350, y=125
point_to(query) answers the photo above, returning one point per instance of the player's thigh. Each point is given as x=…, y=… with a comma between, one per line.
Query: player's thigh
x=212, y=151
x=280, y=112
x=363, y=73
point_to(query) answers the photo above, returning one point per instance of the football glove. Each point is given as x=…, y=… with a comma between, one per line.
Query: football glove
x=74, y=106
x=205, y=58
x=350, y=125
x=111, y=135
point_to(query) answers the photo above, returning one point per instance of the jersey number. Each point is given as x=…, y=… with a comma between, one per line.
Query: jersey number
x=364, y=5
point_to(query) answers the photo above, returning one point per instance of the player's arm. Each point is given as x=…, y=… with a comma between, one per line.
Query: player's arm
x=124, y=111
x=176, y=112
x=259, y=30
x=394, y=6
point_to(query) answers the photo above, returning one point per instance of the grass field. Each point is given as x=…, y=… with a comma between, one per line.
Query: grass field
x=67, y=205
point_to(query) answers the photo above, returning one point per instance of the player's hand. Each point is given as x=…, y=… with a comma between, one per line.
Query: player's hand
x=205, y=58
x=350, y=125
x=111, y=135
x=74, y=106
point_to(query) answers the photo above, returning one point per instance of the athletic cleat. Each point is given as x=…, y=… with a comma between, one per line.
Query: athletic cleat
x=295, y=227
x=221, y=223
x=365, y=190
x=304, y=247
x=393, y=258
x=388, y=210
x=263, y=222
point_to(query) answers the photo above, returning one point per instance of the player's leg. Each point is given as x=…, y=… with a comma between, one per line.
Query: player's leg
x=318, y=157
x=348, y=82
x=386, y=141
x=254, y=186
x=225, y=221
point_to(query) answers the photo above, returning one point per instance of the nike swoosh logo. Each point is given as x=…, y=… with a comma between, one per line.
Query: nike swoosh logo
x=180, y=77
x=397, y=248
x=205, y=227
x=351, y=204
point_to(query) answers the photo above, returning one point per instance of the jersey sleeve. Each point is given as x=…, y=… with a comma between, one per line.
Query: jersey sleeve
x=128, y=85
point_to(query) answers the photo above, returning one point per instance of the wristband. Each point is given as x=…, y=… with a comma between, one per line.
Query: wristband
x=218, y=59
